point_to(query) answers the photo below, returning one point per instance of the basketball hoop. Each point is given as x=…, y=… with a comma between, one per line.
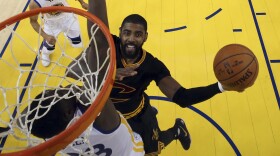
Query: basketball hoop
x=17, y=95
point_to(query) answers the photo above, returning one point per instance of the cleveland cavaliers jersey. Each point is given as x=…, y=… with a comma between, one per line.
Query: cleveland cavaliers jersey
x=120, y=142
x=48, y=3
x=129, y=95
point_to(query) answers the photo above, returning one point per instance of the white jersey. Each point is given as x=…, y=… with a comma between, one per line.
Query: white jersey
x=120, y=142
x=48, y=3
x=57, y=22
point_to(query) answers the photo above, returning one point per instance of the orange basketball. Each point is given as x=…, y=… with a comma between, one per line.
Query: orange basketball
x=236, y=67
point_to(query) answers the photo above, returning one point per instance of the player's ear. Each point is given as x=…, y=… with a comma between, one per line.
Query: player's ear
x=120, y=31
x=146, y=37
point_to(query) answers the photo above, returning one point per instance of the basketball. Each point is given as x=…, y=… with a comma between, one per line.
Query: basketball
x=236, y=67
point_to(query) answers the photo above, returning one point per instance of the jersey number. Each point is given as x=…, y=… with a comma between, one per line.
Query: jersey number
x=99, y=149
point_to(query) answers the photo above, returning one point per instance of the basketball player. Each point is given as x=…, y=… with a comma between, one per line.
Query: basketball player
x=54, y=24
x=136, y=68
x=109, y=135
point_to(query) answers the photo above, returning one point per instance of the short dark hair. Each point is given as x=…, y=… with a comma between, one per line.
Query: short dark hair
x=52, y=123
x=136, y=19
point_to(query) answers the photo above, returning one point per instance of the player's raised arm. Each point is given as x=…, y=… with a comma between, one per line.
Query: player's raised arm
x=109, y=118
x=97, y=8
x=83, y=4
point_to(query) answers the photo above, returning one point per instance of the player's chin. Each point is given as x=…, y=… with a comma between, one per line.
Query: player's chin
x=131, y=54
x=130, y=51
x=240, y=91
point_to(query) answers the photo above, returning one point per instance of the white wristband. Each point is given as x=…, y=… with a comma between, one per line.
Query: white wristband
x=220, y=87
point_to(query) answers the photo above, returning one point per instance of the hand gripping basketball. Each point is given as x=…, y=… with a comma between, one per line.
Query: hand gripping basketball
x=236, y=67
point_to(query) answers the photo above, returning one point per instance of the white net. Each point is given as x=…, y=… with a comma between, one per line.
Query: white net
x=24, y=80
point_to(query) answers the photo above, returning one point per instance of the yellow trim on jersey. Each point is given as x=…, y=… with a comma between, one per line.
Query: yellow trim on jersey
x=136, y=111
x=140, y=150
x=137, y=63
x=160, y=147
x=123, y=121
x=114, y=100
x=139, y=146
x=152, y=154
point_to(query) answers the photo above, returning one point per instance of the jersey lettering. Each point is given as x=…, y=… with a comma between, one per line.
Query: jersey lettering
x=79, y=142
x=99, y=149
x=102, y=150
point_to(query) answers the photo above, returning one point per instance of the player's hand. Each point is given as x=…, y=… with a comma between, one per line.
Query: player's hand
x=226, y=88
x=126, y=72
x=50, y=40
x=84, y=6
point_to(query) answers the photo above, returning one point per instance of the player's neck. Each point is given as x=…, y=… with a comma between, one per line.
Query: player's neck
x=133, y=60
x=130, y=61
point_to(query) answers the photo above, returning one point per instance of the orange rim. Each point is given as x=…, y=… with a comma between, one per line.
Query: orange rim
x=73, y=131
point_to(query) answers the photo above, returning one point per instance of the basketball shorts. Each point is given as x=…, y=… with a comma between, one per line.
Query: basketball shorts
x=146, y=125
x=69, y=25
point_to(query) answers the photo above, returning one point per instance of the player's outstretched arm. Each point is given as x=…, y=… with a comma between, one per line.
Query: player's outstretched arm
x=108, y=119
x=186, y=97
x=97, y=8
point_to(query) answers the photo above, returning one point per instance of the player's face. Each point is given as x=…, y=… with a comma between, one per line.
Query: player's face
x=132, y=38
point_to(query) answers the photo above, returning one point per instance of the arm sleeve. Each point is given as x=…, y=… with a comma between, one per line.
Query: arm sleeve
x=186, y=97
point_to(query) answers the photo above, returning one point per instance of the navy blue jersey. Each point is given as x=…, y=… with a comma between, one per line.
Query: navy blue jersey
x=128, y=95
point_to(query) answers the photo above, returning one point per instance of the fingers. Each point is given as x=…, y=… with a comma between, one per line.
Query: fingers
x=123, y=72
x=51, y=40
x=239, y=90
x=126, y=72
x=85, y=6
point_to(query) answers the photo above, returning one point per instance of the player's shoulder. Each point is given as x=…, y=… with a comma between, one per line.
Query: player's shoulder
x=45, y=3
x=116, y=39
x=41, y=3
x=149, y=56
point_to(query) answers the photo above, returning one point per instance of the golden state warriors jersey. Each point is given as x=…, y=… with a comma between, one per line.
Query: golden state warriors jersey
x=120, y=142
x=48, y=3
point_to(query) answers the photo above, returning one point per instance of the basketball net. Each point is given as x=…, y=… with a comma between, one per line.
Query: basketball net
x=23, y=77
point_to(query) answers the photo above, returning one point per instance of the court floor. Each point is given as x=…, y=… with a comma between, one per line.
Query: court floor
x=185, y=35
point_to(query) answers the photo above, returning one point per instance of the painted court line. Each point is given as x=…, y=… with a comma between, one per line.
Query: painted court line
x=260, y=13
x=213, y=14
x=3, y=140
x=25, y=64
x=265, y=54
x=274, y=61
x=237, y=30
x=215, y=124
x=175, y=29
